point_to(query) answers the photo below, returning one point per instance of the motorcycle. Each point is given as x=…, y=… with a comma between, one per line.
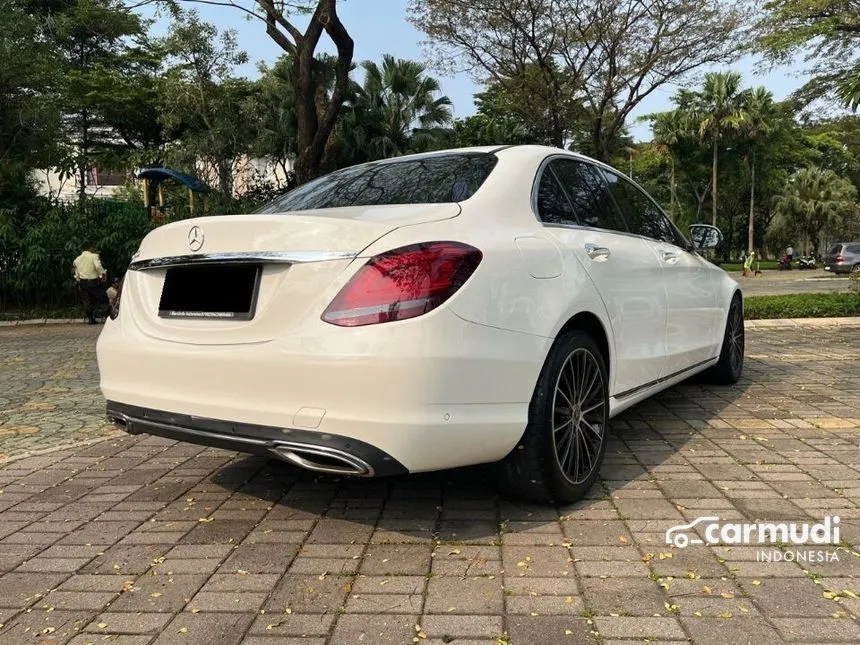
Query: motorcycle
x=785, y=263
x=806, y=262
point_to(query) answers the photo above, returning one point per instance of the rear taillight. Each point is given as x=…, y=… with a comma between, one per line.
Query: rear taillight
x=403, y=283
x=840, y=258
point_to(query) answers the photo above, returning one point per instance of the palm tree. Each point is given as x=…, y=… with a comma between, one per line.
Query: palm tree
x=669, y=129
x=759, y=120
x=849, y=93
x=718, y=109
x=406, y=103
x=814, y=201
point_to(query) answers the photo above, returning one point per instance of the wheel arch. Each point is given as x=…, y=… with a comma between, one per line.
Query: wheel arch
x=591, y=324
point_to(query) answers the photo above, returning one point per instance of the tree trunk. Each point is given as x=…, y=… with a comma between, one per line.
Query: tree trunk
x=307, y=119
x=598, y=141
x=714, y=183
x=313, y=128
x=85, y=129
x=82, y=159
x=673, y=195
x=752, y=205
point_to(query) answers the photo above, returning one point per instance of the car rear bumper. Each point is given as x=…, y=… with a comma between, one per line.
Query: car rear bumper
x=838, y=268
x=430, y=394
x=311, y=450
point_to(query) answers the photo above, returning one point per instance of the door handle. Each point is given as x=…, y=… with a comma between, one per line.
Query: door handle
x=597, y=253
x=670, y=257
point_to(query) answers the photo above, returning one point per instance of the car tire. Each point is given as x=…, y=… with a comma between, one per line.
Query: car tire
x=560, y=453
x=730, y=366
x=855, y=268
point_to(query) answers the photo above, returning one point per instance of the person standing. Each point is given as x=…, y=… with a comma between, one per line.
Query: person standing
x=790, y=252
x=89, y=274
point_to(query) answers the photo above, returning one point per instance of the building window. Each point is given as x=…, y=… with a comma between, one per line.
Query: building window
x=102, y=177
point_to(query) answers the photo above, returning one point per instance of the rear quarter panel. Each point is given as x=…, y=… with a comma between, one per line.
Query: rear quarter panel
x=525, y=283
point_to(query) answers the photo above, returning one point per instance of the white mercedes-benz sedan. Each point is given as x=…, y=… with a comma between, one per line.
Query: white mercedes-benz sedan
x=479, y=305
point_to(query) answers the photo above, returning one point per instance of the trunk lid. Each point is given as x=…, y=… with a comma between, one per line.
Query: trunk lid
x=307, y=251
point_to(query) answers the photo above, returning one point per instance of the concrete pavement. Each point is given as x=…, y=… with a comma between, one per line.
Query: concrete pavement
x=142, y=541
x=775, y=283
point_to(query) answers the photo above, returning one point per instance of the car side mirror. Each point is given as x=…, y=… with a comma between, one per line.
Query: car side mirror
x=705, y=236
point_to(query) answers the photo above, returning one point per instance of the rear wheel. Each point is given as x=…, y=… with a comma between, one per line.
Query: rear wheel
x=730, y=366
x=855, y=268
x=559, y=456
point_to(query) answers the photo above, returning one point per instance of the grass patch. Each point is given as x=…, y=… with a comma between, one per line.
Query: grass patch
x=764, y=265
x=802, y=305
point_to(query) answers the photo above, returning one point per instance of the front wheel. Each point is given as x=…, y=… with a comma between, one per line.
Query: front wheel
x=559, y=455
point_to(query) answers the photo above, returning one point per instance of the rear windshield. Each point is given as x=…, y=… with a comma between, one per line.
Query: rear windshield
x=836, y=249
x=430, y=180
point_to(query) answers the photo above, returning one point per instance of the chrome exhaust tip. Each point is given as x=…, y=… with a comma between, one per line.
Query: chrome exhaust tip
x=322, y=459
x=122, y=422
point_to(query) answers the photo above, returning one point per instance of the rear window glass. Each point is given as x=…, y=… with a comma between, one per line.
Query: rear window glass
x=836, y=249
x=435, y=179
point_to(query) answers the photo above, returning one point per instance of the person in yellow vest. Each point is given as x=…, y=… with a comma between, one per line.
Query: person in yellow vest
x=89, y=274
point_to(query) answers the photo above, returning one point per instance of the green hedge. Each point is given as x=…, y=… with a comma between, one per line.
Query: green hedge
x=39, y=241
x=802, y=305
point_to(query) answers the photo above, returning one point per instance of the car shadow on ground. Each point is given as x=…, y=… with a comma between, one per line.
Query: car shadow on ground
x=463, y=504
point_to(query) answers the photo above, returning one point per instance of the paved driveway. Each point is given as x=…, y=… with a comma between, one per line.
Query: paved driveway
x=140, y=540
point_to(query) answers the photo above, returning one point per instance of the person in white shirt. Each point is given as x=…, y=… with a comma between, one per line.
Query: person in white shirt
x=89, y=274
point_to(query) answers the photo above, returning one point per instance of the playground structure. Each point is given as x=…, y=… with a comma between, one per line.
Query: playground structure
x=154, y=194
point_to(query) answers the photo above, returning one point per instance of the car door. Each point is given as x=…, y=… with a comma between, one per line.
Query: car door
x=573, y=204
x=691, y=326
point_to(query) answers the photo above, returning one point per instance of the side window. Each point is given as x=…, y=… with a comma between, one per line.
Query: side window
x=585, y=187
x=643, y=216
x=552, y=204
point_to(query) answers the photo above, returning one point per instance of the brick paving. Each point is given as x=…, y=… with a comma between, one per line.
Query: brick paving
x=49, y=393
x=143, y=541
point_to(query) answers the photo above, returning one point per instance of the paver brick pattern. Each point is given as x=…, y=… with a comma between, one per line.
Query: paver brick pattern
x=142, y=541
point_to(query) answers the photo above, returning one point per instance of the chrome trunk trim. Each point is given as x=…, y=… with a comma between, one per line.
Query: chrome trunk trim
x=242, y=257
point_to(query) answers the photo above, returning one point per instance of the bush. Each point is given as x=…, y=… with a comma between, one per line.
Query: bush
x=39, y=243
x=39, y=239
x=802, y=305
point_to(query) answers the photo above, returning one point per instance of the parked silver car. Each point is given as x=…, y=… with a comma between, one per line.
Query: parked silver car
x=843, y=257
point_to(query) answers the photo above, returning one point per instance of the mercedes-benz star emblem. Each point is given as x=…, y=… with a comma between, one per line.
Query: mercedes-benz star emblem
x=195, y=238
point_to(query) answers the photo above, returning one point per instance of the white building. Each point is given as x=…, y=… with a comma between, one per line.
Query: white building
x=106, y=184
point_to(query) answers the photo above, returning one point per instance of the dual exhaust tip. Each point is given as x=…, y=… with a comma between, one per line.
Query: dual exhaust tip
x=321, y=459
